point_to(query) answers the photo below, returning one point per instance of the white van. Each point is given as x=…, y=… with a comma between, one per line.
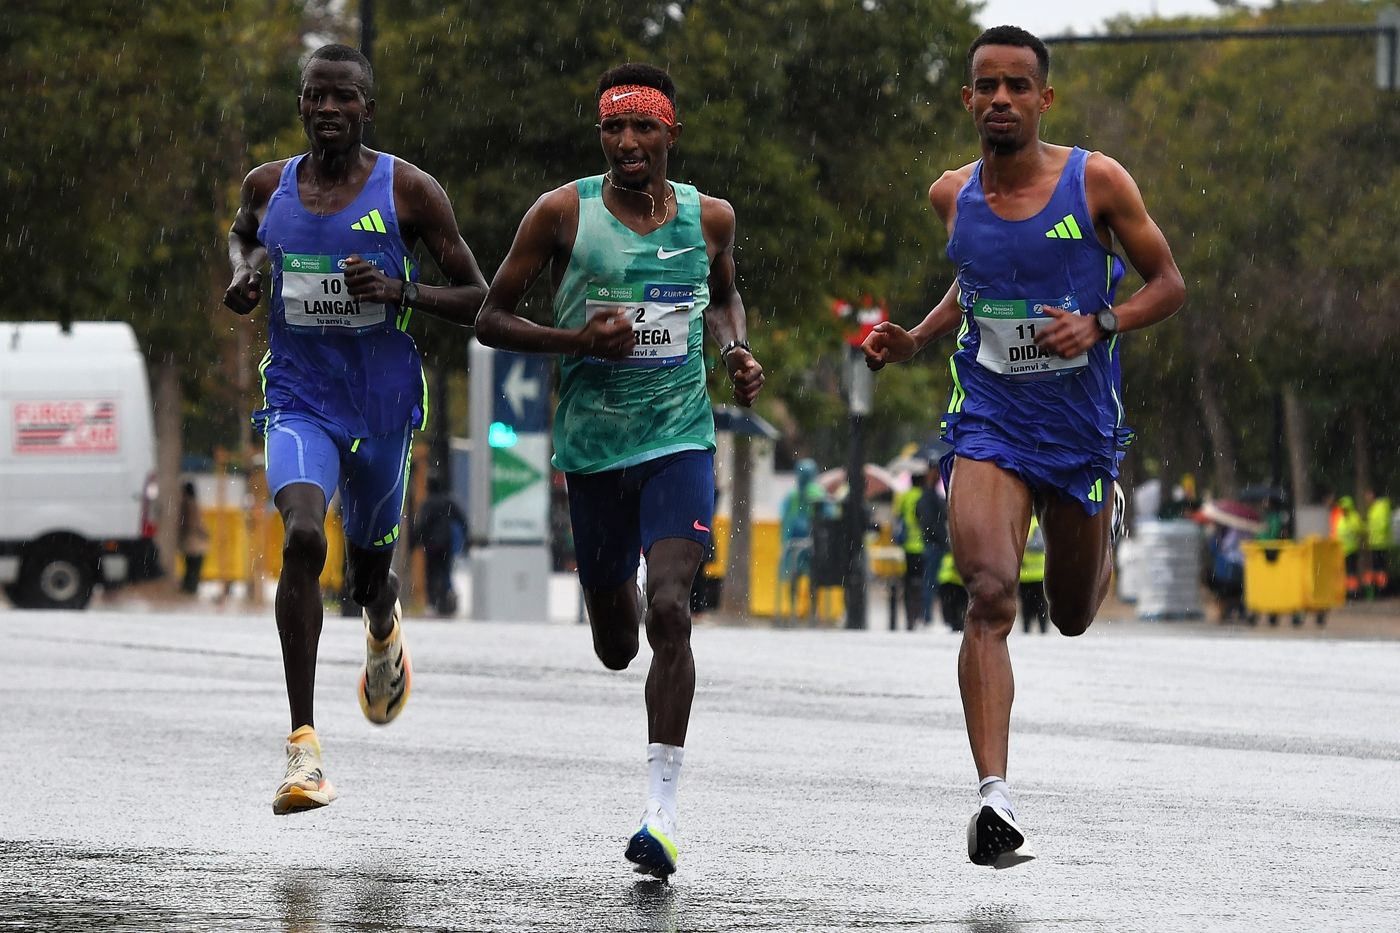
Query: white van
x=77, y=462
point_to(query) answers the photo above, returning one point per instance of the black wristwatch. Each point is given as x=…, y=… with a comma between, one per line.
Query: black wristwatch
x=1108, y=322
x=410, y=294
x=733, y=345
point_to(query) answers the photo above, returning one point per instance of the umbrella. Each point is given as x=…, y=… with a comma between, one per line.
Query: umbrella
x=907, y=465
x=1233, y=514
x=878, y=480
x=1263, y=494
x=738, y=420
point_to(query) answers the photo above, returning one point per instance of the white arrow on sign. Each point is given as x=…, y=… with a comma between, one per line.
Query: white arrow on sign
x=519, y=390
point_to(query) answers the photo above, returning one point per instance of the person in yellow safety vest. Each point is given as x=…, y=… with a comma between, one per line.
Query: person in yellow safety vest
x=952, y=595
x=1378, y=541
x=909, y=534
x=1034, y=607
x=1346, y=528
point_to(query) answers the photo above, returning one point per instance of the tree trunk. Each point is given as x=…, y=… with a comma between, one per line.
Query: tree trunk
x=170, y=448
x=1361, y=452
x=735, y=598
x=1222, y=444
x=1296, y=432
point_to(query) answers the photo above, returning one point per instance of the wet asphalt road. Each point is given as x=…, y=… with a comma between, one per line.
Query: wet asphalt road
x=1168, y=781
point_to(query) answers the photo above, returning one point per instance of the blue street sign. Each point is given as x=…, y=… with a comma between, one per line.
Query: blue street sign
x=520, y=384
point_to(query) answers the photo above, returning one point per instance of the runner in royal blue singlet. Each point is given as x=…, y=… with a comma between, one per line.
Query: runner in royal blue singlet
x=342, y=380
x=1035, y=419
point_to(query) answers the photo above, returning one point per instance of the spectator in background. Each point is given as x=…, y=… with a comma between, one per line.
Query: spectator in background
x=1347, y=529
x=1229, y=525
x=802, y=506
x=909, y=535
x=1031, y=589
x=1376, y=579
x=933, y=520
x=952, y=594
x=440, y=529
x=193, y=539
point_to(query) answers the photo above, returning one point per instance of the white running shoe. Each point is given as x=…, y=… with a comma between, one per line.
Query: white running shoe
x=642, y=582
x=387, y=677
x=1120, y=514
x=994, y=839
x=652, y=850
x=304, y=787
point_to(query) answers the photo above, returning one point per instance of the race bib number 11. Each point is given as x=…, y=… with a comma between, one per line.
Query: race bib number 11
x=1007, y=337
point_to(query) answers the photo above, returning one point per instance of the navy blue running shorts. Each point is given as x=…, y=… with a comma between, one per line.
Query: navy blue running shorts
x=619, y=514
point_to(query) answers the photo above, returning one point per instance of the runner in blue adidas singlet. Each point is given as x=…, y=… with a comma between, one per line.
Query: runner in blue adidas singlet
x=640, y=267
x=1035, y=419
x=342, y=381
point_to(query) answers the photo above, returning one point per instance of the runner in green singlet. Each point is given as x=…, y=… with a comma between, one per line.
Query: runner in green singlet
x=640, y=267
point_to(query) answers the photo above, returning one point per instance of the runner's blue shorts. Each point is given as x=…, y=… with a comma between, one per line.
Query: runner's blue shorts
x=618, y=514
x=1082, y=471
x=370, y=472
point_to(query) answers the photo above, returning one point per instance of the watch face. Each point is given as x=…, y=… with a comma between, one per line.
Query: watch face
x=1108, y=321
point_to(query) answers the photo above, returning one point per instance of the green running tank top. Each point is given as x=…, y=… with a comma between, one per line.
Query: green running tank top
x=615, y=413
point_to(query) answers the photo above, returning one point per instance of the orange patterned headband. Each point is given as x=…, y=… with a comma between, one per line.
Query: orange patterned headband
x=634, y=98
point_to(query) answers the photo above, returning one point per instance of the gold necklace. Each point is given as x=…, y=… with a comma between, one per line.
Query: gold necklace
x=665, y=202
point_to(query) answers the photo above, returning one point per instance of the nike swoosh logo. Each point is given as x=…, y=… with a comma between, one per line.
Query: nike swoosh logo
x=699, y=527
x=664, y=253
x=617, y=97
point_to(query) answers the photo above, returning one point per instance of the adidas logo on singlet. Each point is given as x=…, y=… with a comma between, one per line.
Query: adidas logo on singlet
x=370, y=223
x=1066, y=229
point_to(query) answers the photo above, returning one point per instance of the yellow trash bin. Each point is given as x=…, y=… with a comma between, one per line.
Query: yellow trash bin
x=1293, y=577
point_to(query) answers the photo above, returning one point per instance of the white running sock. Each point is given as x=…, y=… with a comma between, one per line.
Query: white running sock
x=663, y=774
x=995, y=792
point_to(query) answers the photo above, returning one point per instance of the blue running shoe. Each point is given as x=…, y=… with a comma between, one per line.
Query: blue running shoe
x=652, y=848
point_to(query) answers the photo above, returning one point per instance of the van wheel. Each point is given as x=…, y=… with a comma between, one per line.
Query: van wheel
x=57, y=575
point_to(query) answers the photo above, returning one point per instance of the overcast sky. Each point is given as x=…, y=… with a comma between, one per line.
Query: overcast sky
x=1058, y=16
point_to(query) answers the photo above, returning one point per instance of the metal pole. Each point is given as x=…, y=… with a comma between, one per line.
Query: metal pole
x=855, y=525
x=860, y=388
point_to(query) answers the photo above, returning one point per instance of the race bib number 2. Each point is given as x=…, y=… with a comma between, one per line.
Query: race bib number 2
x=1007, y=337
x=314, y=294
x=660, y=316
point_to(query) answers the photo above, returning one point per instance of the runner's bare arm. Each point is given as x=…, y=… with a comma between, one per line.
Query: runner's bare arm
x=425, y=215
x=1118, y=210
x=537, y=241
x=890, y=343
x=725, y=318
x=245, y=254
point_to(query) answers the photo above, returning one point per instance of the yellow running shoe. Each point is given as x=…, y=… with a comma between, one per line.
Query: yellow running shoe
x=305, y=786
x=387, y=676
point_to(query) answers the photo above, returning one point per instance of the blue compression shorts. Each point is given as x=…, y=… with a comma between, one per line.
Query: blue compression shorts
x=370, y=472
x=618, y=514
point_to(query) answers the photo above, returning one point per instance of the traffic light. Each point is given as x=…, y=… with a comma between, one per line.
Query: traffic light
x=500, y=434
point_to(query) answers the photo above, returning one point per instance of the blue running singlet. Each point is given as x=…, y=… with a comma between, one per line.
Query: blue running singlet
x=1057, y=423
x=351, y=363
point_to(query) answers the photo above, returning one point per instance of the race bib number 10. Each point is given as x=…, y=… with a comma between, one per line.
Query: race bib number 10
x=660, y=316
x=314, y=294
x=1007, y=337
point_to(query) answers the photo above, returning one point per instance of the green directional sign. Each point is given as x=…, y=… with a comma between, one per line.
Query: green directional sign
x=510, y=474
